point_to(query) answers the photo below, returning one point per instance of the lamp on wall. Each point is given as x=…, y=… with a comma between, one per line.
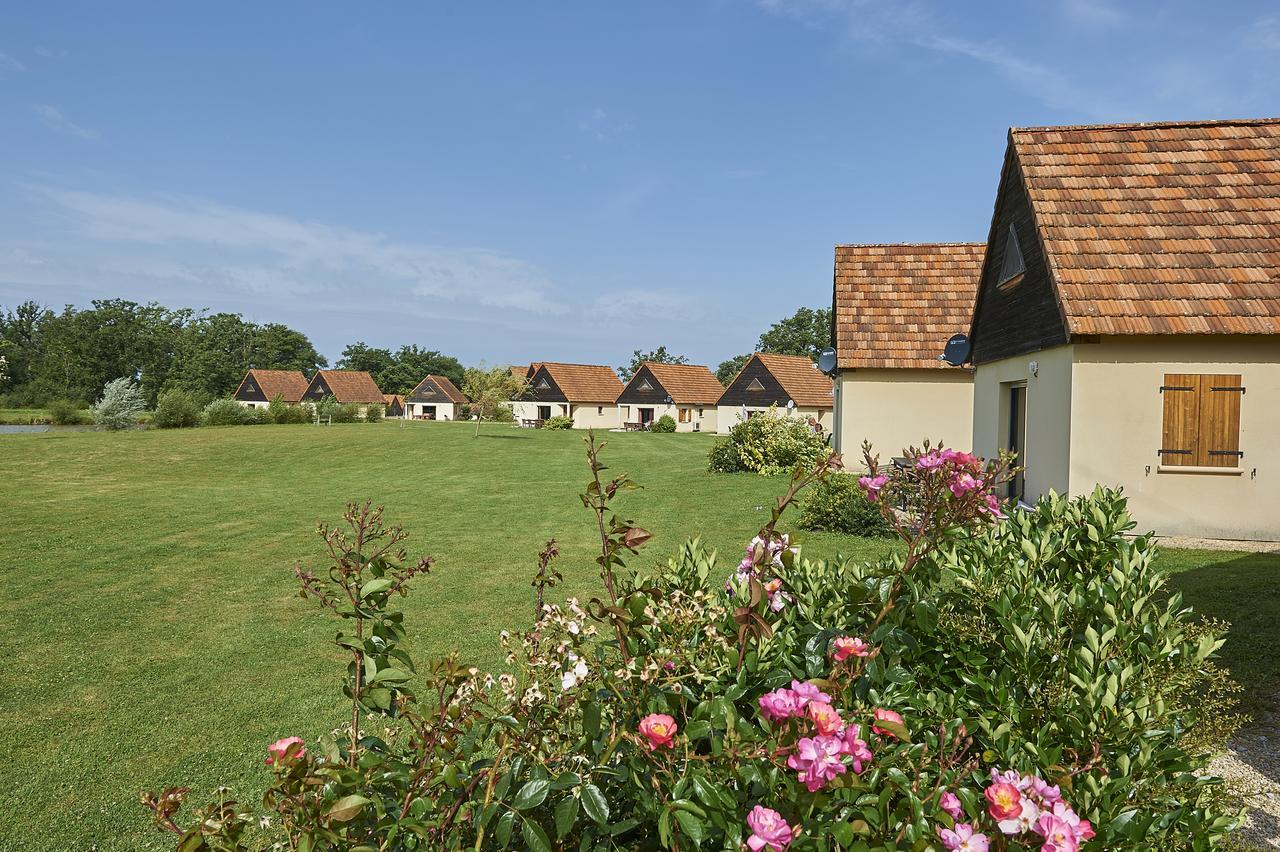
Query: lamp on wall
x=1034, y=368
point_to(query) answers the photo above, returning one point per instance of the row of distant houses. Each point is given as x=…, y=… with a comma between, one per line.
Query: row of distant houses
x=591, y=395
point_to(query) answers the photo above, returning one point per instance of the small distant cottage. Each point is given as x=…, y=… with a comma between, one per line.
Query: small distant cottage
x=394, y=403
x=355, y=387
x=894, y=307
x=791, y=383
x=435, y=398
x=1127, y=327
x=259, y=387
x=587, y=393
x=685, y=392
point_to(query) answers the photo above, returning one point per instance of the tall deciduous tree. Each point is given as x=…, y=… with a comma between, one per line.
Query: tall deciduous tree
x=490, y=389
x=728, y=370
x=806, y=332
x=411, y=364
x=656, y=356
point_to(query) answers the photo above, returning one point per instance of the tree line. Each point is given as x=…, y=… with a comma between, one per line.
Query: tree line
x=73, y=353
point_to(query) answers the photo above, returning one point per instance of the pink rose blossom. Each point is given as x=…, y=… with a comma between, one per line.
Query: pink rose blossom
x=850, y=646
x=824, y=717
x=855, y=747
x=929, y=461
x=872, y=485
x=883, y=715
x=963, y=483
x=991, y=506
x=780, y=704
x=768, y=830
x=1058, y=835
x=817, y=761
x=950, y=803
x=278, y=751
x=960, y=459
x=1048, y=794
x=1024, y=821
x=1004, y=801
x=963, y=838
x=659, y=729
x=807, y=692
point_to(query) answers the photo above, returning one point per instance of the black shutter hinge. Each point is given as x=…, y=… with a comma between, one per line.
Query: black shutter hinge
x=1227, y=388
x=1164, y=388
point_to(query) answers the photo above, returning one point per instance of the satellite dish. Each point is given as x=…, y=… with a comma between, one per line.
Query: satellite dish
x=827, y=360
x=957, y=351
x=791, y=403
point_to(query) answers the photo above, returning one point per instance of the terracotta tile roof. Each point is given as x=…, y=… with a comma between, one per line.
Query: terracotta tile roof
x=584, y=382
x=687, y=384
x=393, y=398
x=442, y=385
x=1167, y=228
x=287, y=384
x=350, y=385
x=896, y=305
x=519, y=372
x=800, y=378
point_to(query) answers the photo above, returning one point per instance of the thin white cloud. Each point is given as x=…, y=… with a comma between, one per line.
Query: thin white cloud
x=49, y=52
x=636, y=306
x=54, y=119
x=1098, y=14
x=602, y=126
x=10, y=63
x=1264, y=34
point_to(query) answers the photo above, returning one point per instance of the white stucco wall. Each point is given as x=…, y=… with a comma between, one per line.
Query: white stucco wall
x=703, y=416
x=444, y=410
x=595, y=416
x=728, y=416
x=895, y=409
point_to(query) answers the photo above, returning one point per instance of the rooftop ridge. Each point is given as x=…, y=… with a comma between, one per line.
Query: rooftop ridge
x=1142, y=125
x=912, y=245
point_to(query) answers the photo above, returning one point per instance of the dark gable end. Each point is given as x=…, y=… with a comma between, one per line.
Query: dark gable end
x=318, y=389
x=1024, y=315
x=742, y=391
x=643, y=389
x=250, y=390
x=543, y=388
x=430, y=392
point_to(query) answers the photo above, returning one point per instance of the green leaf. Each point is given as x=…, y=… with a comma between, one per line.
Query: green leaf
x=595, y=804
x=373, y=587
x=532, y=794
x=346, y=808
x=566, y=815
x=896, y=728
x=690, y=825
x=502, y=832
x=391, y=675
x=534, y=837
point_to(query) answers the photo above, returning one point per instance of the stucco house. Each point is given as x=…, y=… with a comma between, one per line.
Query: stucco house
x=354, y=387
x=587, y=393
x=894, y=306
x=791, y=383
x=1127, y=326
x=259, y=387
x=687, y=393
x=434, y=398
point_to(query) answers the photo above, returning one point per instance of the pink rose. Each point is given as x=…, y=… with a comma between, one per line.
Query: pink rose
x=883, y=715
x=780, y=704
x=1004, y=801
x=286, y=750
x=963, y=838
x=768, y=830
x=950, y=803
x=850, y=646
x=824, y=717
x=991, y=506
x=929, y=461
x=807, y=692
x=855, y=747
x=817, y=761
x=872, y=485
x=659, y=729
x=1024, y=821
x=963, y=483
x=1058, y=835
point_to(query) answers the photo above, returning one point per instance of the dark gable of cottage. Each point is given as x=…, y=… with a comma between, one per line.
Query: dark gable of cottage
x=394, y=408
x=1025, y=317
x=543, y=388
x=318, y=389
x=643, y=389
x=250, y=390
x=755, y=387
x=428, y=391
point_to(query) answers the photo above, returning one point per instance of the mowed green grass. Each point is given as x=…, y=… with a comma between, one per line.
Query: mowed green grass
x=153, y=635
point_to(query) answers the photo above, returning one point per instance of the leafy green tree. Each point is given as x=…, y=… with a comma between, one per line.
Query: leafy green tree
x=361, y=356
x=411, y=364
x=120, y=405
x=490, y=389
x=728, y=370
x=656, y=356
x=806, y=332
x=278, y=347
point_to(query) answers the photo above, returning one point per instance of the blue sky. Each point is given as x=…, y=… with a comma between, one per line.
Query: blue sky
x=557, y=180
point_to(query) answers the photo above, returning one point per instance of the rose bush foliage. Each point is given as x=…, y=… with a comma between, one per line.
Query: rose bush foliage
x=997, y=683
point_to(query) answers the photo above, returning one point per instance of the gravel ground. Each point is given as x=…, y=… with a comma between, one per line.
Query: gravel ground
x=1251, y=767
x=1184, y=542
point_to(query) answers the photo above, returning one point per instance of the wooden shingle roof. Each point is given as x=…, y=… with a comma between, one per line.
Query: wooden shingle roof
x=687, y=384
x=583, y=382
x=348, y=386
x=896, y=305
x=1170, y=228
x=289, y=385
x=800, y=378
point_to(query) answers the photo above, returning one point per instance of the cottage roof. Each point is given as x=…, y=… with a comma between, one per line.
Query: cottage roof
x=289, y=385
x=438, y=386
x=896, y=304
x=800, y=378
x=348, y=386
x=583, y=382
x=687, y=384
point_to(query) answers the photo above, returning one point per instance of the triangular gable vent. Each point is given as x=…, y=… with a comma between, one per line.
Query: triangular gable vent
x=1012, y=266
x=755, y=385
x=644, y=385
x=544, y=385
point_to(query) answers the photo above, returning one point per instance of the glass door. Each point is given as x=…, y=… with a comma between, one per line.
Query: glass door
x=1017, y=437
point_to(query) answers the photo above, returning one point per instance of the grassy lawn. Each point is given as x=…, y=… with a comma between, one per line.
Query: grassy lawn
x=153, y=632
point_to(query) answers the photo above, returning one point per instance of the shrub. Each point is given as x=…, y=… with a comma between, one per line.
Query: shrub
x=501, y=414
x=665, y=423
x=225, y=412
x=374, y=414
x=768, y=443
x=64, y=413
x=120, y=406
x=558, y=422
x=347, y=412
x=990, y=669
x=837, y=504
x=293, y=414
x=176, y=409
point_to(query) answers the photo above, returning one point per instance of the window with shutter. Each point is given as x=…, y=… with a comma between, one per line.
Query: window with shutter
x=1201, y=420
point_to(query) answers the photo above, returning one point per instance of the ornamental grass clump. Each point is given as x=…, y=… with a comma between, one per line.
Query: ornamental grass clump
x=995, y=684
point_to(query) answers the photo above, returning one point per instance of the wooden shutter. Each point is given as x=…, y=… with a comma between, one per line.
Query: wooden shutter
x=1220, y=420
x=1179, y=443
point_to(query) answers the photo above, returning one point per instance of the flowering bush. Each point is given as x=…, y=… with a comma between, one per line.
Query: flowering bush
x=768, y=443
x=997, y=683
